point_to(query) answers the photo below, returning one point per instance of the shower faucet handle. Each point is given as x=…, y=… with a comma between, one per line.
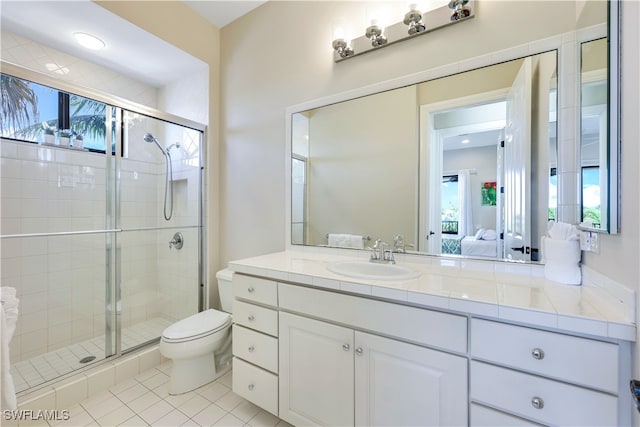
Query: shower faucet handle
x=177, y=241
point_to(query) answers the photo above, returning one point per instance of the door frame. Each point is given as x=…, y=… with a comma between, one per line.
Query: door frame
x=431, y=161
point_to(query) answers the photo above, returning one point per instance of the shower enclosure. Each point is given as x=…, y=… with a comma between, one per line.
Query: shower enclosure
x=84, y=234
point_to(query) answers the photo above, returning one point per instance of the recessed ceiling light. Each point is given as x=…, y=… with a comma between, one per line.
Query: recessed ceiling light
x=465, y=141
x=89, y=41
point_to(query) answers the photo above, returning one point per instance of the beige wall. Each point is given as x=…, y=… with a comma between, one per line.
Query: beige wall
x=363, y=168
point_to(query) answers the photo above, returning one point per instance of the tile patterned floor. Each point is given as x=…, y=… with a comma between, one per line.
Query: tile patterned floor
x=45, y=367
x=144, y=401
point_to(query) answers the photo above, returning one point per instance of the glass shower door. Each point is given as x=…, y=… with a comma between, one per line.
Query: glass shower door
x=160, y=218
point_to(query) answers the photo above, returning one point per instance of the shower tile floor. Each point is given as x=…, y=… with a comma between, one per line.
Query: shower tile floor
x=45, y=367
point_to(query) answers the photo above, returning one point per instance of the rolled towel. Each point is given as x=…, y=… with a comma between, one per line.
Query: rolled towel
x=562, y=231
x=561, y=260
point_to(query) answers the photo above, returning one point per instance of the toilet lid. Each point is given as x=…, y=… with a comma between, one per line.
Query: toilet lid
x=203, y=323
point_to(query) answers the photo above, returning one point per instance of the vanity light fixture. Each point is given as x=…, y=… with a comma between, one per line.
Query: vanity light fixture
x=414, y=23
x=89, y=41
x=374, y=33
x=460, y=9
x=413, y=19
x=342, y=48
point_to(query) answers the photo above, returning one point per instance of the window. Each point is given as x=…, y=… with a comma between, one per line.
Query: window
x=450, y=214
x=591, y=195
x=553, y=194
x=36, y=113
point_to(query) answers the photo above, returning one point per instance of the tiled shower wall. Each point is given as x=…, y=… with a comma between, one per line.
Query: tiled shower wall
x=61, y=280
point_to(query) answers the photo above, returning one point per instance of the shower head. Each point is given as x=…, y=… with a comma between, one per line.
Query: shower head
x=150, y=138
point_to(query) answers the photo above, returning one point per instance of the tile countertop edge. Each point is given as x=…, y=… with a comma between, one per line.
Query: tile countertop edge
x=598, y=324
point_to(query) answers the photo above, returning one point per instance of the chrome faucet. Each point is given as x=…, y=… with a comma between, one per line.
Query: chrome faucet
x=380, y=253
x=399, y=245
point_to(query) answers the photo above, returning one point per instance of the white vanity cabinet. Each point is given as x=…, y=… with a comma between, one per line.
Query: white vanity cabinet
x=542, y=376
x=338, y=375
x=255, y=341
x=322, y=356
x=316, y=365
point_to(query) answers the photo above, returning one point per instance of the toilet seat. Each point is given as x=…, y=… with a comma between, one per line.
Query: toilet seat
x=197, y=326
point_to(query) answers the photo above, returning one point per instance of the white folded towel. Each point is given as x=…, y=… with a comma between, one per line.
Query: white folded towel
x=338, y=240
x=345, y=241
x=8, y=319
x=356, y=241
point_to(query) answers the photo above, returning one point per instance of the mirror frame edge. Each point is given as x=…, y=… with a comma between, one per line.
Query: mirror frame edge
x=613, y=88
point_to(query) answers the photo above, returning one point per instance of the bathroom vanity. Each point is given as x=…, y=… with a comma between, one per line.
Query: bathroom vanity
x=464, y=343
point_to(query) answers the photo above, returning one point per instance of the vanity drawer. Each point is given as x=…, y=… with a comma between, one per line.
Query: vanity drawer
x=559, y=403
x=256, y=385
x=577, y=360
x=422, y=326
x=249, y=288
x=257, y=348
x=255, y=317
x=481, y=416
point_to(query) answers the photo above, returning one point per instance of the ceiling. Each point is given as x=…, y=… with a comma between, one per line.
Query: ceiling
x=221, y=13
x=149, y=59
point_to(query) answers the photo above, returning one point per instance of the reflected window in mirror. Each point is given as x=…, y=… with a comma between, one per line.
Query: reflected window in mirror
x=450, y=204
x=594, y=147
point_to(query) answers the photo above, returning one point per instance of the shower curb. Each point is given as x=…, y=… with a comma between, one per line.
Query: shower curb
x=64, y=394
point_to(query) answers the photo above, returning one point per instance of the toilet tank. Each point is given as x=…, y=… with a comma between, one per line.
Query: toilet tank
x=224, y=289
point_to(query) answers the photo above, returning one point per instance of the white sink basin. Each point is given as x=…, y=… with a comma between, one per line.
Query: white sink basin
x=372, y=271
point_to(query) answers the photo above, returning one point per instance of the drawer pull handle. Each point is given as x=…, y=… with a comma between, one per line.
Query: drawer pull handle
x=251, y=318
x=537, y=402
x=537, y=353
x=359, y=351
x=251, y=348
x=251, y=289
x=251, y=386
x=346, y=347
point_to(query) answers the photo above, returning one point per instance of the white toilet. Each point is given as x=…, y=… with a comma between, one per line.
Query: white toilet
x=200, y=345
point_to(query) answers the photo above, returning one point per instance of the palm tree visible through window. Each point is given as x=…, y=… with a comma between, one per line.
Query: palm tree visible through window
x=19, y=106
x=29, y=108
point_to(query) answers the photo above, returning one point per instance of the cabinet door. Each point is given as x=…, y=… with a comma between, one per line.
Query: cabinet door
x=316, y=372
x=399, y=384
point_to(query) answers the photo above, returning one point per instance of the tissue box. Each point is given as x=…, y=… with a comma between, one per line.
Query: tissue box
x=562, y=258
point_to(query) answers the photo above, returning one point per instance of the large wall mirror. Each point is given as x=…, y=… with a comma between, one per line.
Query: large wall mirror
x=468, y=164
